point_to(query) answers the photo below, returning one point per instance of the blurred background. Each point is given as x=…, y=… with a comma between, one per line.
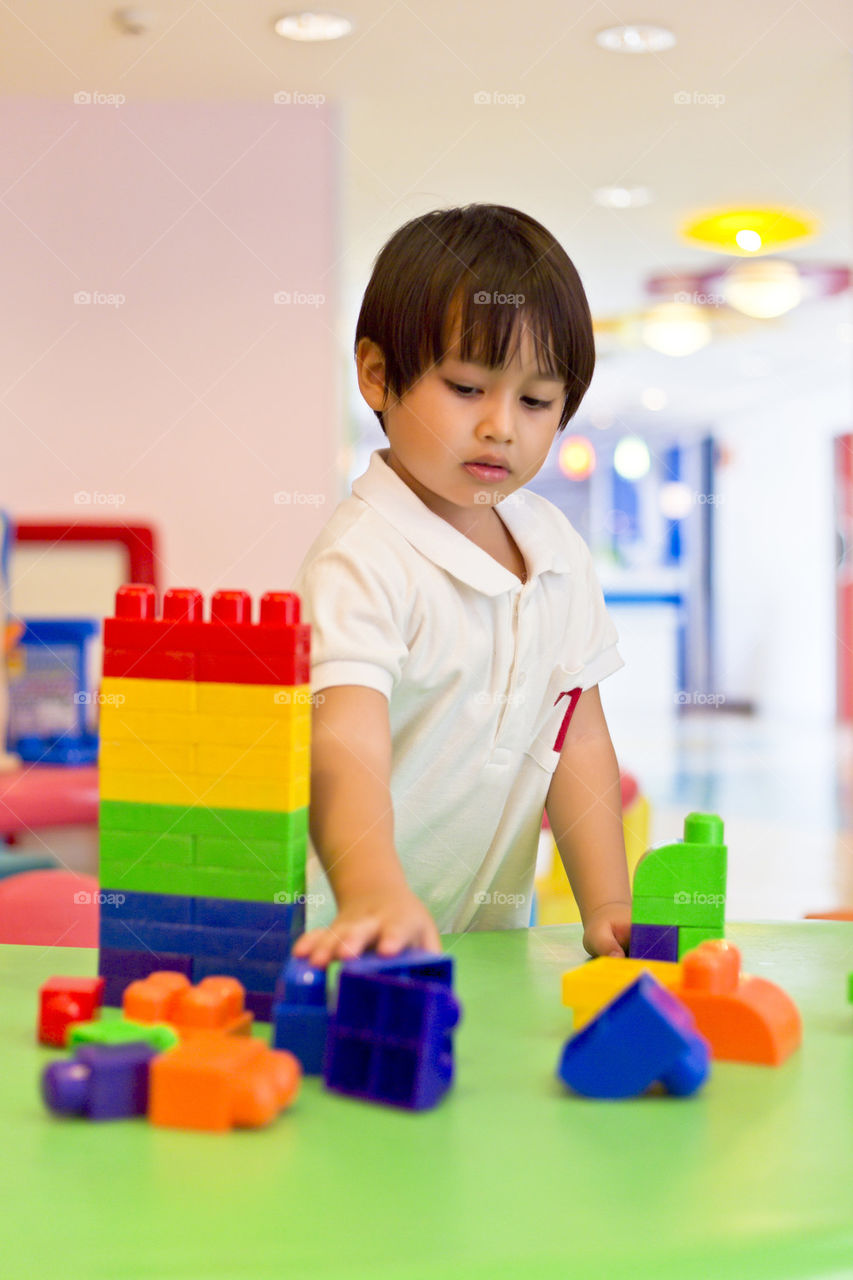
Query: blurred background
x=191, y=199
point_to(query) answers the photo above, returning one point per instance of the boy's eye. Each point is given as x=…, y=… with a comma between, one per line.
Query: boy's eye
x=530, y=401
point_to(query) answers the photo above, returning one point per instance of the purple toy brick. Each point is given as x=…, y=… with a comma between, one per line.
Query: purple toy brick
x=654, y=942
x=101, y=1082
x=423, y=966
x=390, y=1039
x=643, y=1036
x=121, y=967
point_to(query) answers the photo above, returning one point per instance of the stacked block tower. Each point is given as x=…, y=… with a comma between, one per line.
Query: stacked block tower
x=204, y=773
x=679, y=897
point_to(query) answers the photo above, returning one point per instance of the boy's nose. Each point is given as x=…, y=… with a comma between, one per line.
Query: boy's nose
x=496, y=420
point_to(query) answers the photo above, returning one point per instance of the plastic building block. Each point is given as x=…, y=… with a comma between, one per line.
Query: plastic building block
x=217, y=1082
x=745, y=1019
x=654, y=942
x=645, y=1037
x=216, y=1004
x=299, y=1015
x=63, y=1001
x=390, y=1039
x=684, y=884
x=591, y=986
x=239, y=824
x=111, y=1031
x=120, y=966
x=689, y=938
x=101, y=1081
x=424, y=966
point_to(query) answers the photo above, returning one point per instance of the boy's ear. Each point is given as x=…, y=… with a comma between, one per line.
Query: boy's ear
x=370, y=365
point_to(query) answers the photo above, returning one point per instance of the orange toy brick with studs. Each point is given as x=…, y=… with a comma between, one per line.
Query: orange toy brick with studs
x=745, y=1019
x=216, y=1082
x=214, y=1005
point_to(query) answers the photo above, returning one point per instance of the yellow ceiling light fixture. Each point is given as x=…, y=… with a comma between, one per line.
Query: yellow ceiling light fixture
x=763, y=288
x=676, y=329
x=748, y=232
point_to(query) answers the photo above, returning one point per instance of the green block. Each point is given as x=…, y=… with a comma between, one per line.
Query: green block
x=121, y=1031
x=216, y=851
x=681, y=868
x=670, y=911
x=208, y=882
x=703, y=828
x=690, y=937
x=179, y=820
x=125, y=846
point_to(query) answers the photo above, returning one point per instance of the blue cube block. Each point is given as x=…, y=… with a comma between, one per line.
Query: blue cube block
x=390, y=1039
x=425, y=966
x=654, y=942
x=644, y=1036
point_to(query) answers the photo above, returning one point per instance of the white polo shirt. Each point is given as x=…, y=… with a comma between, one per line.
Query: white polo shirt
x=478, y=669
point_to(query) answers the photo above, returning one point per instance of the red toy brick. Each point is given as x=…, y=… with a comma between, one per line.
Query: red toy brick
x=63, y=1001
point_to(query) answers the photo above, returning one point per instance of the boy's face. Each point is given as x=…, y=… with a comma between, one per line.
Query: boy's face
x=461, y=416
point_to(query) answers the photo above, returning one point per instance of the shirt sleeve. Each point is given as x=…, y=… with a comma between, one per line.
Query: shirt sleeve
x=356, y=635
x=601, y=656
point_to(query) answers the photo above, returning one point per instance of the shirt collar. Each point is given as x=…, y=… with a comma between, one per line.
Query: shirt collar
x=382, y=489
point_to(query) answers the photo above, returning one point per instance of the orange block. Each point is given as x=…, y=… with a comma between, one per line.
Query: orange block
x=216, y=1004
x=214, y=1082
x=745, y=1019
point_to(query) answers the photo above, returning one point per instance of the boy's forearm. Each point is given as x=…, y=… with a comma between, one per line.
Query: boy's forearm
x=352, y=825
x=584, y=808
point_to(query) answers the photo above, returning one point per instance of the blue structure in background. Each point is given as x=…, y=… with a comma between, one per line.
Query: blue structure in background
x=50, y=699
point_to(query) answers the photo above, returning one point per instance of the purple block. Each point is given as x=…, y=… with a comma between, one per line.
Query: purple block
x=643, y=1036
x=390, y=1039
x=654, y=942
x=121, y=967
x=101, y=1082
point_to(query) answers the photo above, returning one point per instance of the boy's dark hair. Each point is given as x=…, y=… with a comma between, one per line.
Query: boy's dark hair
x=475, y=254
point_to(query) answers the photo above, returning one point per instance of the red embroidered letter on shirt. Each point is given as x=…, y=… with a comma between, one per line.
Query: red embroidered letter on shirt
x=572, y=695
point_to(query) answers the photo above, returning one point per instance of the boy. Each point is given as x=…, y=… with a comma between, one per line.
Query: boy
x=458, y=629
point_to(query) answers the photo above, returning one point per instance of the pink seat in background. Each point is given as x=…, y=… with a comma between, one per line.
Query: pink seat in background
x=49, y=909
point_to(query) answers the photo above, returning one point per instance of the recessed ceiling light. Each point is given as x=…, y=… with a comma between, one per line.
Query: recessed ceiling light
x=313, y=26
x=636, y=37
x=622, y=197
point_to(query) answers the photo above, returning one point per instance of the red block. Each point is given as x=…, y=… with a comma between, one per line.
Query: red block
x=63, y=1001
x=181, y=645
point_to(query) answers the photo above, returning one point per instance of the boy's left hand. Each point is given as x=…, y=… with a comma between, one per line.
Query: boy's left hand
x=607, y=930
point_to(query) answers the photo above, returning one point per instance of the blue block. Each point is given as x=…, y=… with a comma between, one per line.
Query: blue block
x=425, y=966
x=654, y=942
x=300, y=983
x=236, y=913
x=390, y=1039
x=301, y=1029
x=161, y=908
x=644, y=1036
x=257, y=976
x=196, y=940
x=101, y=1081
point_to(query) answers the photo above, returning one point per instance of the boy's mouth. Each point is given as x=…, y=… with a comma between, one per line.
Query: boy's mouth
x=483, y=470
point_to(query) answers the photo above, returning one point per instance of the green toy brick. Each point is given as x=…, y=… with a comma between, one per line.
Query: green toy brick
x=206, y=882
x=159, y=847
x=121, y=1031
x=690, y=937
x=217, y=851
x=680, y=867
x=695, y=912
x=179, y=820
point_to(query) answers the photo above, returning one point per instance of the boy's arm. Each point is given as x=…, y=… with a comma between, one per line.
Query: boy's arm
x=352, y=829
x=584, y=807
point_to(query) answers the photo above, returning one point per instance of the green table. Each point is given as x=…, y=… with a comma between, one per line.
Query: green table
x=511, y=1176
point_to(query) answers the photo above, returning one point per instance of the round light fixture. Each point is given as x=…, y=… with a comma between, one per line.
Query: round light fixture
x=313, y=26
x=676, y=329
x=631, y=459
x=763, y=288
x=635, y=37
x=576, y=458
x=745, y=232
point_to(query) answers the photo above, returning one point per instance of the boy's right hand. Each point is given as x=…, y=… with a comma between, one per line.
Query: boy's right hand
x=388, y=921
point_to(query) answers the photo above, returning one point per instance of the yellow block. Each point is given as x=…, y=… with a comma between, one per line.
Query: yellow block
x=283, y=795
x=281, y=702
x=555, y=902
x=587, y=989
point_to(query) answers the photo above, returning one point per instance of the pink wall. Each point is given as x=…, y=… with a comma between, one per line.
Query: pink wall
x=198, y=398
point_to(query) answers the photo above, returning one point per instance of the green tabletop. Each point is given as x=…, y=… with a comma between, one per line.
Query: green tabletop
x=511, y=1176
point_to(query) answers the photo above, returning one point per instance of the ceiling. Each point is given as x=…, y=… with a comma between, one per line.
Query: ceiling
x=768, y=121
